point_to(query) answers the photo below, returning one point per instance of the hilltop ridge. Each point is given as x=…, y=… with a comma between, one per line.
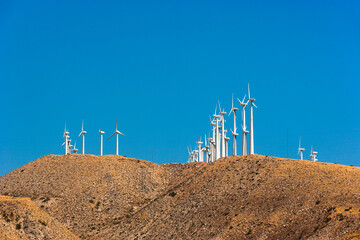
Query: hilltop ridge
x=242, y=197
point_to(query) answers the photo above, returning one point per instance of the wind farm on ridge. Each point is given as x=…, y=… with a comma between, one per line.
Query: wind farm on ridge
x=215, y=146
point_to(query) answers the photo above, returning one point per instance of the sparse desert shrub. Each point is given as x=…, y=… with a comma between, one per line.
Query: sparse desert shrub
x=91, y=201
x=98, y=204
x=18, y=226
x=43, y=223
x=172, y=194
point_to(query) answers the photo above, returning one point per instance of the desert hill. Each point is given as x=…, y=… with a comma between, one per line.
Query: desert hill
x=22, y=219
x=251, y=197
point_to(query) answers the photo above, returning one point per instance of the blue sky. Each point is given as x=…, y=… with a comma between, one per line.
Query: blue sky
x=160, y=67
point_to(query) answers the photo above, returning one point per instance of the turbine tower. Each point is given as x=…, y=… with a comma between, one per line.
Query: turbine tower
x=226, y=144
x=300, y=150
x=222, y=113
x=74, y=150
x=117, y=132
x=313, y=155
x=212, y=141
x=217, y=139
x=66, y=137
x=206, y=149
x=190, y=155
x=251, y=145
x=101, y=133
x=234, y=109
x=196, y=155
x=211, y=150
x=83, y=137
x=200, y=149
x=243, y=126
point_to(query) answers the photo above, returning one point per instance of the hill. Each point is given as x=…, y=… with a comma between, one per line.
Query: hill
x=251, y=197
x=22, y=219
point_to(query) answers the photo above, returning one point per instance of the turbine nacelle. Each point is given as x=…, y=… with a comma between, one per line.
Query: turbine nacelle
x=118, y=132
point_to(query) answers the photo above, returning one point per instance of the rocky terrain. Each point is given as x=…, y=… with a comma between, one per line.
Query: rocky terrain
x=22, y=219
x=114, y=197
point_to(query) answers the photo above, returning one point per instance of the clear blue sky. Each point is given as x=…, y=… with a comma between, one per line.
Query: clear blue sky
x=160, y=67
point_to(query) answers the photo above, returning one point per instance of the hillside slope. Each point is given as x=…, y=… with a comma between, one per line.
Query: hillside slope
x=86, y=192
x=22, y=219
x=251, y=197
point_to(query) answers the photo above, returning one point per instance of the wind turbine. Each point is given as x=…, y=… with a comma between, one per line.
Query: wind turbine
x=243, y=126
x=251, y=146
x=189, y=160
x=211, y=149
x=217, y=138
x=222, y=113
x=300, y=150
x=83, y=137
x=201, y=155
x=70, y=146
x=213, y=140
x=117, y=132
x=74, y=150
x=226, y=144
x=66, y=137
x=234, y=109
x=206, y=149
x=313, y=155
x=101, y=133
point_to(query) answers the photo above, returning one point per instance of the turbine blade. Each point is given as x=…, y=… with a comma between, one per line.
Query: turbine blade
x=121, y=133
x=232, y=102
x=115, y=124
x=82, y=126
x=249, y=90
x=239, y=100
x=219, y=106
x=79, y=134
x=111, y=135
x=230, y=112
x=244, y=98
x=254, y=105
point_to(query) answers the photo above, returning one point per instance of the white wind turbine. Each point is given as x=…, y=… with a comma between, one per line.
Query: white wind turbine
x=251, y=145
x=101, y=133
x=74, y=150
x=222, y=113
x=300, y=150
x=313, y=155
x=206, y=149
x=217, y=138
x=213, y=140
x=66, y=137
x=226, y=144
x=117, y=138
x=200, y=149
x=233, y=110
x=83, y=137
x=196, y=155
x=211, y=149
x=243, y=126
x=70, y=146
